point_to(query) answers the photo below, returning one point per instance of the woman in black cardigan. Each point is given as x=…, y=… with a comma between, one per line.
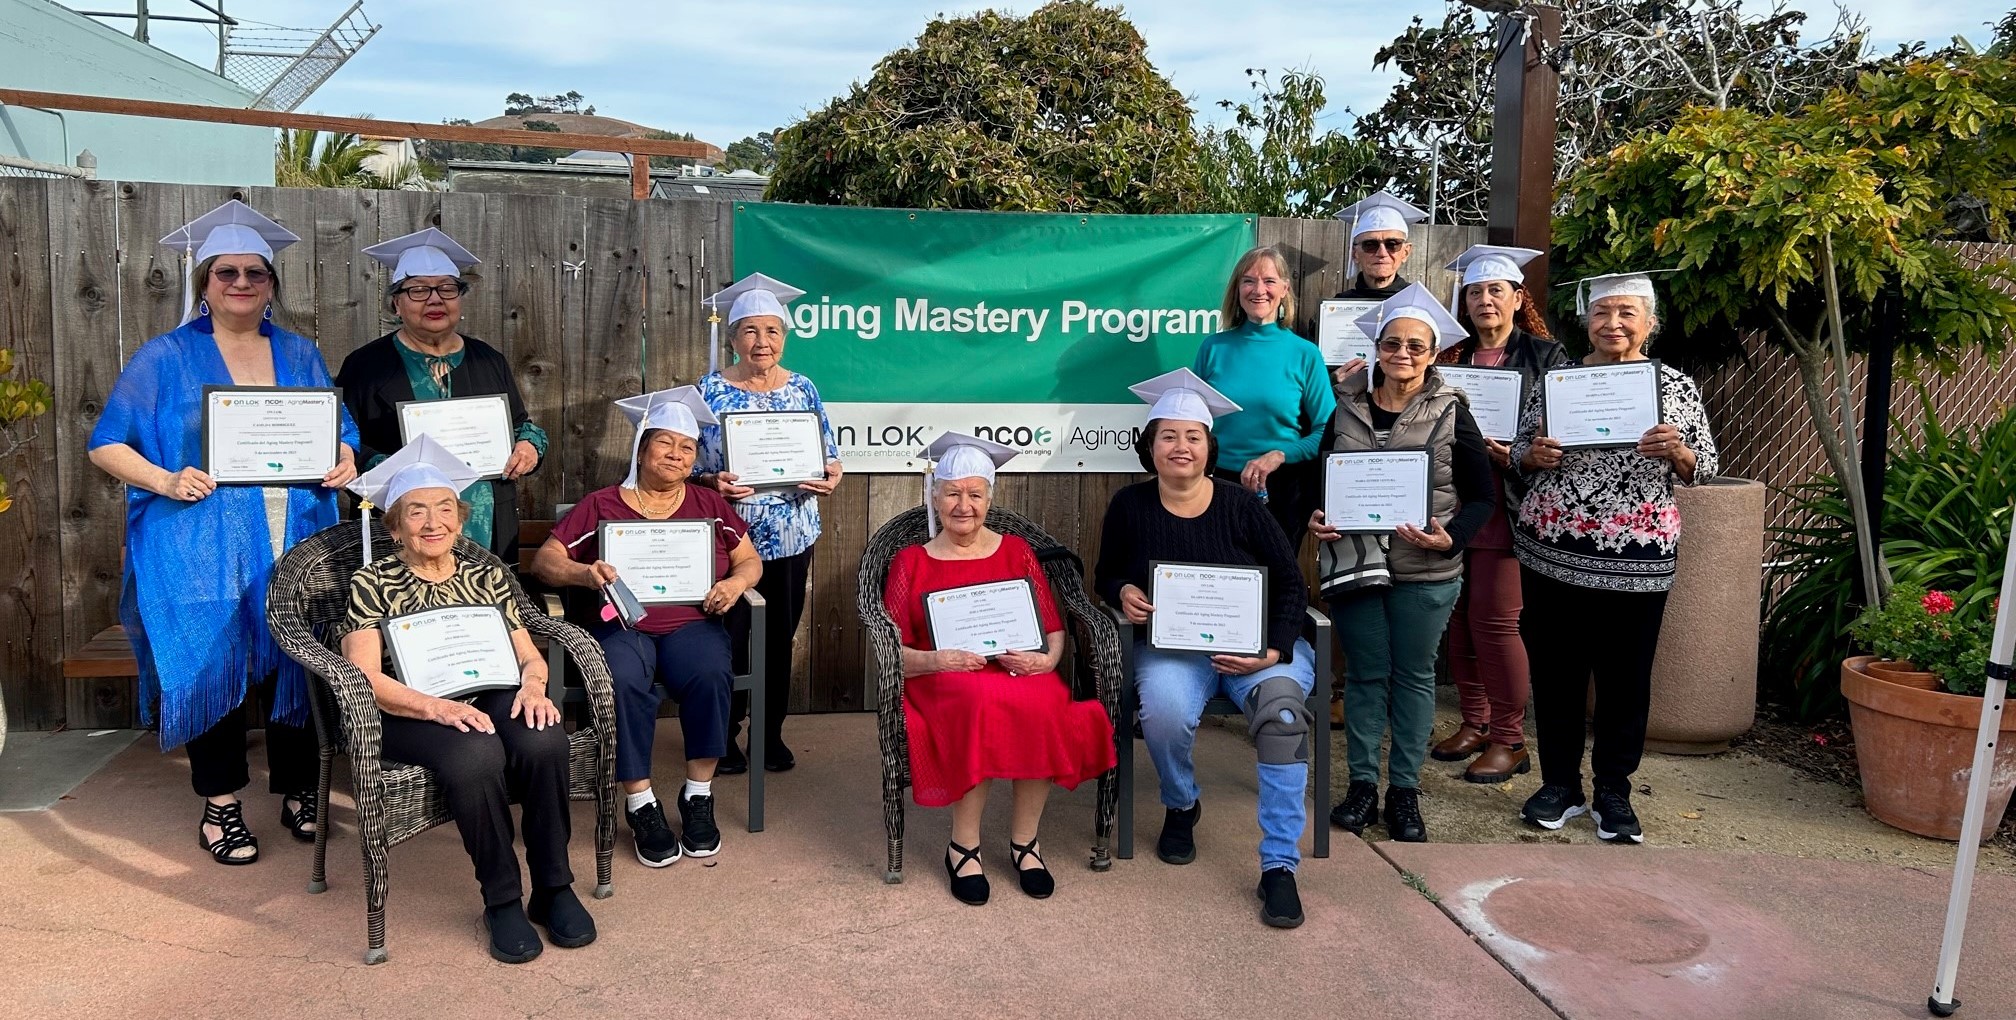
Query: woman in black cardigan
x=426, y=359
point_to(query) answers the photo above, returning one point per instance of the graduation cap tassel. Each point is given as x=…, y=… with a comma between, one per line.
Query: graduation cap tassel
x=713, y=341
x=930, y=512
x=364, y=505
x=188, y=287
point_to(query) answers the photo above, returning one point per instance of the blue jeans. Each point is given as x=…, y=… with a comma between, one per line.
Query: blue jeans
x=1173, y=687
x=1390, y=636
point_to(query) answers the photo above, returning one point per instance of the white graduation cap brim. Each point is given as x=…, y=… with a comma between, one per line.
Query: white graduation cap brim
x=1415, y=302
x=1381, y=210
x=429, y=252
x=680, y=409
x=1591, y=289
x=233, y=228
x=420, y=464
x=1486, y=262
x=742, y=301
x=1182, y=396
x=959, y=455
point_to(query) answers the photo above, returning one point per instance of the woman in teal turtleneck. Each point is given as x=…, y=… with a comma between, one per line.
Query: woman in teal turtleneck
x=1272, y=444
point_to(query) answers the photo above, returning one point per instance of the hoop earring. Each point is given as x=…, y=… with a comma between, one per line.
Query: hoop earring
x=269, y=313
x=203, y=306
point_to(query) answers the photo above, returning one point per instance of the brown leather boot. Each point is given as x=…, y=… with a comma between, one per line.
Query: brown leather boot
x=1466, y=741
x=1498, y=763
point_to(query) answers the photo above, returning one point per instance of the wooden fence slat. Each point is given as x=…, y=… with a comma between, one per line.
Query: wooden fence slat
x=520, y=286
x=349, y=292
x=836, y=650
x=293, y=208
x=31, y=581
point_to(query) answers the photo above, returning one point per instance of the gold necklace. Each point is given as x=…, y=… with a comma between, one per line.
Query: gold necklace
x=644, y=507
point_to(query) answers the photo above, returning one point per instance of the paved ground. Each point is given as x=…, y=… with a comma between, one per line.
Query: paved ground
x=110, y=909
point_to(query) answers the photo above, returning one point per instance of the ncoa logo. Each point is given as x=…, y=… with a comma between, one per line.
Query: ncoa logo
x=1013, y=435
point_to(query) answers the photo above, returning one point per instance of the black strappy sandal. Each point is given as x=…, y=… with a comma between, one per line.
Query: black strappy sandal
x=971, y=890
x=298, y=822
x=230, y=818
x=1037, y=881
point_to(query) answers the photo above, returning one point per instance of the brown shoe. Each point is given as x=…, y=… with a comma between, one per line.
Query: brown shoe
x=1466, y=741
x=1498, y=763
x=1336, y=711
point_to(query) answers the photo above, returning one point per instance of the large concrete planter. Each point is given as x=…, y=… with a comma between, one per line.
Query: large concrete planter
x=1704, y=681
x=1915, y=750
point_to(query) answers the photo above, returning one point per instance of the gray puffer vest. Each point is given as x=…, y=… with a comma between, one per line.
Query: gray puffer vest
x=1427, y=423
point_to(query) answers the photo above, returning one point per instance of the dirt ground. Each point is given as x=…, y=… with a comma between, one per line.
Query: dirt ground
x=1778, y=791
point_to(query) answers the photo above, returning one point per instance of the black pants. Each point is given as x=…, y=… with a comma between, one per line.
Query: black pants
x=1293, y=493
x=479, y=774
x=783, y=588
x=692, y=664
x=1570, y=633
x=218, y=763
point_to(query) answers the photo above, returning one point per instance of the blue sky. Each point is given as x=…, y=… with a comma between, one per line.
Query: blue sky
x=724, y=70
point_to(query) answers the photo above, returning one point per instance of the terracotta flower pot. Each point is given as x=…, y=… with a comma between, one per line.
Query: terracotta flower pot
x=1915, y=750
x=1903, y=672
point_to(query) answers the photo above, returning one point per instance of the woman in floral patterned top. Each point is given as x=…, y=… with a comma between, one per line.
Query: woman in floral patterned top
x=1596, y=537
x=783, y=523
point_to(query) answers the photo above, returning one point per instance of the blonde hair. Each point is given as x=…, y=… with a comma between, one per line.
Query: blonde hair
x=1233, y=313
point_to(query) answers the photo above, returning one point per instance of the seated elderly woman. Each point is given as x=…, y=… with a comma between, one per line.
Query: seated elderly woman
x=483, y=746
x=681, y=642
x=973, y=716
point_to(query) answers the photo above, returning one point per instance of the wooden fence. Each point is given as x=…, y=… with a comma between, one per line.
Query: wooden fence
x=590, y=299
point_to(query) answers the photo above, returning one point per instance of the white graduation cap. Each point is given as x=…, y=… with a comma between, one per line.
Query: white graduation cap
x=1486, y=262
x=1415, y=302
x=1591, y=289
x=680, y=409
x=233, y=228
x=420, y=464
x=1381, y=210
x=958, y=455
x=428, y=252
x=1182, y=396
x=754, y=294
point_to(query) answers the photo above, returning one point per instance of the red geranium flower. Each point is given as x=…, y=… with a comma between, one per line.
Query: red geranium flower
x=1936, y=602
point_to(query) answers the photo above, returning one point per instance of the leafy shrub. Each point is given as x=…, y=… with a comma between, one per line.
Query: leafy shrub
x=1923, y=628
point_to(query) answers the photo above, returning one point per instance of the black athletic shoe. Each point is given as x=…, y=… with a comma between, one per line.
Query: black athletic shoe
x=560, y=912
x=1615, y=821
x=512, y=937
x=696, y=818
x=778, y=758
x=1403, y=815
x=657, y=847
x=1280, y=904
x=734, y=763
x=1359, y=806
x=1178, y=842
x=1553, y=805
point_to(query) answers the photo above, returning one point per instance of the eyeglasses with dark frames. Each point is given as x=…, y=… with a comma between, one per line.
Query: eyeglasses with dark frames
x=228, y=275
x=444, y=291
x=1414, y=348
x=1371, y=245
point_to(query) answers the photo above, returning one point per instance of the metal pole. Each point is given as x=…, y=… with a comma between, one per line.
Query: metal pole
x=2001, y=654
x=223, y=36
x=1876, y=424
x=140, y=20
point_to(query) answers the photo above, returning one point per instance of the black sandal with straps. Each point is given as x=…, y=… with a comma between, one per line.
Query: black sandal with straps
x=230, y=819
x=971, y=890
x=299, y=822
x=1037, y=881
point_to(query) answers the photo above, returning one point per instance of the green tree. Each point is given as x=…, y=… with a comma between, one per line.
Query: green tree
x=757, y=152
x=1271, y=161
x=1056, y=111
x=534, y=153
x=1809, y=226
x=671, y=136
x=21, y=402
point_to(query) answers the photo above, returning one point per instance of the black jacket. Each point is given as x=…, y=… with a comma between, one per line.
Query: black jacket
x=1359, y=292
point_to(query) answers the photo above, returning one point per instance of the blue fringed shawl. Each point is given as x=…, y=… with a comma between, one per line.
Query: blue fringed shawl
x=193, y=598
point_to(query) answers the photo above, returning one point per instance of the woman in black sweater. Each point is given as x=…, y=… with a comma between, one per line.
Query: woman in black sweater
x=1185, y=516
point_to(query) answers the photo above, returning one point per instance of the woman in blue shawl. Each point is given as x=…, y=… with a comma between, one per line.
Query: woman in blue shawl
x=199, y=556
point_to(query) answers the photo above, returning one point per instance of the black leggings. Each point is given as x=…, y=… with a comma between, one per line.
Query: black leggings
x=1573, y=632
x=218, y=764
x=783, y=590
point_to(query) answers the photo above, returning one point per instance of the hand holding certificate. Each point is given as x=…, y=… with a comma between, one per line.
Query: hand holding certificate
x=447, y=653
x=270, y=435
x=1337, y=332
x=985, y=619
x=476, y=429
x=1495, y=396
x=1601, y=405
x=766, y=449
x=1375, y=491
x=1206, y=608
x=662, y=562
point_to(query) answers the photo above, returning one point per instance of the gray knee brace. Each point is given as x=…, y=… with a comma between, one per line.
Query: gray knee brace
x=1278, y=719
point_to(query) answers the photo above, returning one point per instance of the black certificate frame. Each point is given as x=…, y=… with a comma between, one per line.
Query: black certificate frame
x=399, y=413
x=602, y=551
x=1517, y=405
x=1427, y=489
x=728, y=448
x=1630, y=443
x=1266, y=602
x=335, y=429
x=1035, y=613
x=399, y=663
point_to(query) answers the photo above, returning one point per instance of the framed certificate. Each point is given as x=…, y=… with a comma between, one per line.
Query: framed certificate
x=1375, y=491
x=270, y=435
x=773, y=448
x=1495, y=396
x=1201, y=607
x=1338, y=334
x=451, y=652
x=476, y=429
x=662, y=562
x=1590, y=406
x=985, y=619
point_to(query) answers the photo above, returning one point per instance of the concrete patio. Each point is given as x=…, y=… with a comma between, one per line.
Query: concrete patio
x=111, y=909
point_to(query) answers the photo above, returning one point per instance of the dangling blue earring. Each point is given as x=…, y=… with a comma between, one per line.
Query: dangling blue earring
x=269, y=313
x=203, y=307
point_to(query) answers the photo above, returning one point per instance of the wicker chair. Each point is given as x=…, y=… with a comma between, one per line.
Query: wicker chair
x=1093, y=653
x=310, y=590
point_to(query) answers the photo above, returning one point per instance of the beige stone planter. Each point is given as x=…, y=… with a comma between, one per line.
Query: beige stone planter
x=1704, y=682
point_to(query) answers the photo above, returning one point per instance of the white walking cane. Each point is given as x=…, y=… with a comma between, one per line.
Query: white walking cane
x=2001, y=654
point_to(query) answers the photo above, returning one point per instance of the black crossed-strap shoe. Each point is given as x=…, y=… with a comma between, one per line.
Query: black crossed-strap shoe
x=233, y=837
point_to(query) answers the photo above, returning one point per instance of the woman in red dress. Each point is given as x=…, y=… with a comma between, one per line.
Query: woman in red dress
x=971, y=718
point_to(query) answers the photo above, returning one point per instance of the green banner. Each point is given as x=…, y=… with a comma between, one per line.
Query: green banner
x=929, y=318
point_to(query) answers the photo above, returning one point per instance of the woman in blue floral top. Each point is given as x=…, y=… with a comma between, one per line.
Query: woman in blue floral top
x=783, y=523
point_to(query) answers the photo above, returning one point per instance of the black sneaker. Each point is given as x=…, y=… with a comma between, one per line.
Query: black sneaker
x=1403, y=815
x=1615, y=821
x=1178, y=842
x=1359, y=806
x=734, y=763
x=512, y=937
x=1553, y=805
x=696, y=818
x=1280, y=904
x=657, y=847
x=560, y=912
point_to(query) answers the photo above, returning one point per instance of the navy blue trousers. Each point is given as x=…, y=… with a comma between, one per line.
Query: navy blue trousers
x=692, y=664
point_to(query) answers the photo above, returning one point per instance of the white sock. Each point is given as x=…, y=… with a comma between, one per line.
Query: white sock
x=642, y=797
x=695, y=789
